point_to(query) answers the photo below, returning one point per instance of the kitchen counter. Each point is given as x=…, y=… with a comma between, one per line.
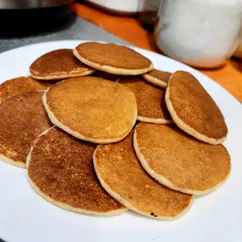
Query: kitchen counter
x=77, y=29
x=228, y=76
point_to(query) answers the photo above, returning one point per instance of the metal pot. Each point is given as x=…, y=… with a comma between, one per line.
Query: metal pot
x=27, y=17
x=26, y=4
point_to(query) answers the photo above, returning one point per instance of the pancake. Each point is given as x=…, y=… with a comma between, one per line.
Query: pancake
x=20, y=85
x=60, y=169
x=193, y=109
x=122, y=176
x=58, y=64
x=22, y=119
x=157, y=77
x=92, y=109
x=179, y=161
x=112, y=58
x=150, y=100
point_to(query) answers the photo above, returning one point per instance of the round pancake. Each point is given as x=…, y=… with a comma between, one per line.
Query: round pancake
x=157, y=77
x=58, y=64
x=60, y=169
x=92, y=108
x=179, y=161
x=112, y=58
x=193, y=109
x=150, y=100
x=122, y=176
x=22, y=119
x=20, y=85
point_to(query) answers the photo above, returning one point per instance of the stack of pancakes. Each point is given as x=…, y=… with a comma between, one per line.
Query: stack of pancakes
x=100, y=131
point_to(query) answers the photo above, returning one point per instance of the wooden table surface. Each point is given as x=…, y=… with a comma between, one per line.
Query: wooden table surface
x=129, y=29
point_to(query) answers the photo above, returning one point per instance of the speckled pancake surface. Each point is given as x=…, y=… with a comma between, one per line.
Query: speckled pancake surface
x=194, y=110
x=112, y=58
x=22, y=119
x=180, y=161
x=157, y=77
x=92, y=109
x=20, y=85
x=60, y=169
x=150, y=100
x=122, y=176
x=58, y=64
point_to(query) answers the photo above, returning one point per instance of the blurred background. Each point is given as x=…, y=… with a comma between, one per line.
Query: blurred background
x=205, y=34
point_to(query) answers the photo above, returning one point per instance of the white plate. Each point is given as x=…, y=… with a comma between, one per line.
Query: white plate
x=27, y=217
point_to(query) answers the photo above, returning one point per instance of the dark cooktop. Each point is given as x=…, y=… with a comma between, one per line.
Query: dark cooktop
x=23, y=22
x=74, y=28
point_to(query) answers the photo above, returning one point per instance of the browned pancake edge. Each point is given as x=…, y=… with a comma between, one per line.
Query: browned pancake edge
x=60, y=169
x=194, y=110
x=112, y=58
x=58, y=64
x=92, y=109
x=150, y=100
x=22, y=119
x=20, y=85
x=157, y=77
x=180, y=161
x=122, y=176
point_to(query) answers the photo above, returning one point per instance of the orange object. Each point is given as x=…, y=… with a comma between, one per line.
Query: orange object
x=129, y=29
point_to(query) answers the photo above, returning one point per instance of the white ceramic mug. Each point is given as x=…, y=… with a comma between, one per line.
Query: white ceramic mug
x=122, y=6
x=201, y=33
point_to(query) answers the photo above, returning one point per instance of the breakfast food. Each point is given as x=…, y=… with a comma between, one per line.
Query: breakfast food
x=58, y=64
x=22, y=119
x=83, y=147
x=157, y=77
x=193, y=109
x=150, y=100
x=60, y=170
x=112, y=58
x=92, y=109
x=122, y=176
x=179, y=161
x=20, y=85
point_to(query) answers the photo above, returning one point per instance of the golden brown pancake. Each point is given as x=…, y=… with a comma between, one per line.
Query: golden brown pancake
x=20, y=85
x=193, y=109
x=60, y=169
x=22, y=119
x=122, y=176
x=92, y=108
x=58, y=64
x=112, y=58
x=179, y=161
x=150, y=100
x=106, y=75
x=157, y=77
